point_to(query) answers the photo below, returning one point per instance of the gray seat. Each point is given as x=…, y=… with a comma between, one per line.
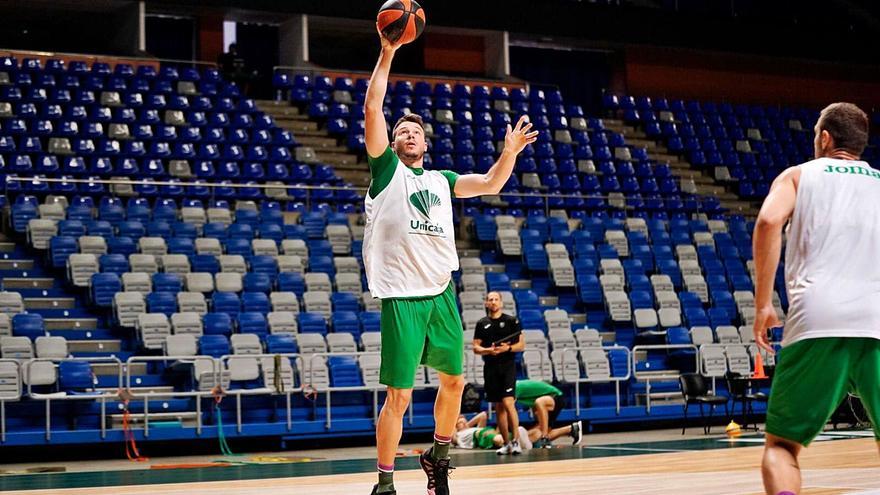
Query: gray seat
x=339, y=237
x=474, y=283
x=5, y=325
x=472, y=301
x=111, y=99
x=305, y=154
x=59, y=146
x=596, y=364
x=39, y=373
x=246, y=343
x=143, y=263
x=187, y=88
x=290, y=264
x=310, y=343
x=282, y=322
x=341, y=342
x=81, y=267
x=174, y=117
x=242, y=369
x=187, y=324
x=509, y=242
x=702, y=335
x=152, y=330
x=137, y=282
x=284, y=301
x=153, y=245
x=19, y=348
x=180, y=169
x=557, y=319
x=347, y=264
x=192, y=302
x=127, y=306
x=318, y=302
x=369, y=365
x=52, y=211
x=349, y=282
x=51, y=347
x=209, y=245
x=10, y=381
x=372, y=341
x=219, y=215
x=369, y=302
x=728, y=335
x=232, y=263
x=181, y=345
x=92, y=244
x=199, y=282
x=175, y=263
x=278, y=374
x=11, y=303
x=296, y=247
x=588, y=337
x=713, y=361
x=228, y=282
x=669, y=317
x=194, y=215
x=264, y=247
x=565, y=365
x=318, y=282
x=118, y=131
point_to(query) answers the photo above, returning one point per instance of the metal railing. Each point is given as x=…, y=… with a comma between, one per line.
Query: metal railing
x=98, y=395
x=4, y=398
x=647, y=378
x=617, y=380
x=92, y=58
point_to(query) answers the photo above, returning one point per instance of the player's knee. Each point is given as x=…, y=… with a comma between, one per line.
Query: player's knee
x=397, y=401
x=453, y=383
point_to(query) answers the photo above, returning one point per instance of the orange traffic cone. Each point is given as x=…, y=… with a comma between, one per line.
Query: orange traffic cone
x=759, y=366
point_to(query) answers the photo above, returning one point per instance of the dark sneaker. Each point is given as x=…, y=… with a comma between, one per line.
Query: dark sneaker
x=577, y=432
x=437, y=471
x=377, y=492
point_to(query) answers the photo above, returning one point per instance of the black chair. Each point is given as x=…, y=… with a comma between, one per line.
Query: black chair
x=695, y=390
x=740, y=391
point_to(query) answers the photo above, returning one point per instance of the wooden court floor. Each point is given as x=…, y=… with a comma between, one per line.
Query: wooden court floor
x=831, y=467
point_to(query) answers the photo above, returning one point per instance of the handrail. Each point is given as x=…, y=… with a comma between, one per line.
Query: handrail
x=96, y=57
x=101, y=396
x=648, y=378
x=617, y=380
x=399, y=76
x=3, y=399
x=267, y=185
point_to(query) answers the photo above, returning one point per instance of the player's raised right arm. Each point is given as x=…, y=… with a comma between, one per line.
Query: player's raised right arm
x=376, y=131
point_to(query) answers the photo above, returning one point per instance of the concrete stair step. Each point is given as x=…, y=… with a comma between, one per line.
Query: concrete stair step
x=356, y=177
x=16, y=264
x=336, y=158
x=94, y=345
x=548, y=301
x=49, y=303
x=28, y=283
x=319, y=142
x=298, y=125
x=521, y=284
x=187, y=419
x=71, y=323
x=7, y=247
x=110, y=369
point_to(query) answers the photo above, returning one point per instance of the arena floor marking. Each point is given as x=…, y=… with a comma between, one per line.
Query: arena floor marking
x=594, y=465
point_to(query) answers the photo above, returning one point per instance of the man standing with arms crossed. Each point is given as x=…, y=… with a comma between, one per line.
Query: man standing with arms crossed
x=409, y=256
x=497, y=337
x=831, y=342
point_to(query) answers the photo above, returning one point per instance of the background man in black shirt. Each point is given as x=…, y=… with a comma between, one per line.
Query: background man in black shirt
x=496, y=338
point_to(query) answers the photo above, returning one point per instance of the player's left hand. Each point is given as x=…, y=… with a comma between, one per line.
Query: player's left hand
x=518, y=137
x=503, y=348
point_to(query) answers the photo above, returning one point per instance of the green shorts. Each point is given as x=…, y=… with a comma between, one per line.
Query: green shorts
x=420, y=330
x=813, y=377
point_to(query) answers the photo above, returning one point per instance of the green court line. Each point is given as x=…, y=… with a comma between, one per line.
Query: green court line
x=43, y=481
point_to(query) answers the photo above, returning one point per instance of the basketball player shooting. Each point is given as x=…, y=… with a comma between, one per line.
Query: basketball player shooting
x=409, y=256
x=831, y=343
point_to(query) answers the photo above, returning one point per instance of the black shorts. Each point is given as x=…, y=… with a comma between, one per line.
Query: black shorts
x=500, y=381
x=558, y=405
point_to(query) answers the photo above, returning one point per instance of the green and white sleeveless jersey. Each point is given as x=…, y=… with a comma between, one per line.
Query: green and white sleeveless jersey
x=831, y=270
x=409, y=238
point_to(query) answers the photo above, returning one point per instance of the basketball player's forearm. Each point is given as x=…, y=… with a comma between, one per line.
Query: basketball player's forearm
x=375, y=98
x=767, y=246
x=500, y=172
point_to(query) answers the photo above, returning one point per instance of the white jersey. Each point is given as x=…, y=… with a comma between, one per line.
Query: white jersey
x=409, y=238
x=464, y=439
x=831, y=270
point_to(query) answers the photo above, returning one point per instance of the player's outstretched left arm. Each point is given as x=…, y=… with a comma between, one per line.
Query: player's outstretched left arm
x=517, y=138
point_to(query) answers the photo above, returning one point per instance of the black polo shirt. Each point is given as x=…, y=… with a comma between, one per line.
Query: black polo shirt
x=493, y=330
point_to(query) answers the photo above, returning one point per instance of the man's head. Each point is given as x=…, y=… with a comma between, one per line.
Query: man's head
x=841, y=127
x=494, y=303
x=408, y=138
x=460, y=423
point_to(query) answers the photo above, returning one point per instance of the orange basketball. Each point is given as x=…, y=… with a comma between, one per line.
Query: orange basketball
x=401, y=20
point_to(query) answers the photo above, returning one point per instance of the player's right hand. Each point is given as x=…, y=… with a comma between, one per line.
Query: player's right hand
x=765, y=319
x=386, y=43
